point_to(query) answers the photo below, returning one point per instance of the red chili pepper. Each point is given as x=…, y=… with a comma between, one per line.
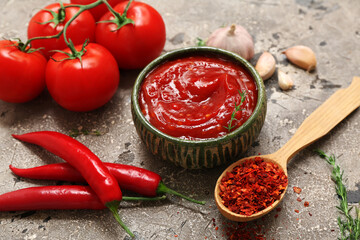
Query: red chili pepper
x=86, y=162
x=131, y=178
x=50, y=197
x=55, y=197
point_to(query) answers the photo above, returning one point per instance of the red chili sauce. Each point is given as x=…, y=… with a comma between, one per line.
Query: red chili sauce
x=194, y=97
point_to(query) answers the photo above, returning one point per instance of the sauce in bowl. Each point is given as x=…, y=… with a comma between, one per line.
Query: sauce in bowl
x=195, y=97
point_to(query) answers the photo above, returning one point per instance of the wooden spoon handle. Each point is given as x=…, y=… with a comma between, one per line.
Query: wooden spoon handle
x=321, y=121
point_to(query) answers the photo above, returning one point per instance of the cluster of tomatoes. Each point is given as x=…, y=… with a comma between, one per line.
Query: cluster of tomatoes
x=85, y=74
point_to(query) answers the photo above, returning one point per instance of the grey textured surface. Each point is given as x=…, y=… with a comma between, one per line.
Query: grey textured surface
x=331, y=28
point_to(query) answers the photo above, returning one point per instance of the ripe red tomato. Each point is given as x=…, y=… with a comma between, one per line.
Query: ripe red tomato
x=82, y=28
x=86, y=85
x=22, y=75
x=133, y=45
x=98, y=11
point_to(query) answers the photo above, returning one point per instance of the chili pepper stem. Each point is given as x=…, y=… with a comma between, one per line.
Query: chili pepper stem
x=162, y=188
x=125, y=198
x=113, y=206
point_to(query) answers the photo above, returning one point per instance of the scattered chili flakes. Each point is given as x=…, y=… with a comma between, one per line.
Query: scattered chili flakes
x=252, y=186
x=310, y=214
x=297, y=190
x=297, y=211
x=306, y=204
x=244, y=231
x=299, y=199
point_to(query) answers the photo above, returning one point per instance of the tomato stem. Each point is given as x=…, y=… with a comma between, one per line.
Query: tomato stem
x=22, y=47
x=127, y=8
x=27, y=45
x=58, y=17
x=82, y=8
x=74, y=53
x=115, y=13
x=120, y=19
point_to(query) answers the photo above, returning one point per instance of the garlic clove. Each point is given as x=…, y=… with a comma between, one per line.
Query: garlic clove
x=302, y=56
x=234, y=38
x=266, y=65
x=284, y=81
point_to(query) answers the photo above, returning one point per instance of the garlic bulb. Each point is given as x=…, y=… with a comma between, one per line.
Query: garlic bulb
x=266, y=65
x=302, y=56
x=284, y=80
x=233, y=38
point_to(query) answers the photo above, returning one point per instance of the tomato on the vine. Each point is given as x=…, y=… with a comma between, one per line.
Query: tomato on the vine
x=135, y=44
x=98, y=11
x=22, y=73
x=85, y=83
x=52, y=19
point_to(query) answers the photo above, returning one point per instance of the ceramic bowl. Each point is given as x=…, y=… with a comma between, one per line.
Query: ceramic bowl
x=200, y=153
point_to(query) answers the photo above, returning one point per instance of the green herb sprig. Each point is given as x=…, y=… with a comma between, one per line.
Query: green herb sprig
x=77, y=132
x=200, y=42
x=237, y=109
x=349, y=227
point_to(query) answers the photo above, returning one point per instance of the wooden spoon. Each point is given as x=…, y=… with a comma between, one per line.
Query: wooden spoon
x=318, y=124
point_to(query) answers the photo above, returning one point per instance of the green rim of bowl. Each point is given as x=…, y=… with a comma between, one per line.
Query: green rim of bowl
x=193, y=51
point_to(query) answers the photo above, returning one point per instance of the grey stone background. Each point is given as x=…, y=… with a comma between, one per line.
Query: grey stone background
x=331, y=28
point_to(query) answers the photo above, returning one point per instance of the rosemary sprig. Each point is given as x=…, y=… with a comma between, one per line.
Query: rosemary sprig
x=349, y=227
x=77, y=132
x=237, y=109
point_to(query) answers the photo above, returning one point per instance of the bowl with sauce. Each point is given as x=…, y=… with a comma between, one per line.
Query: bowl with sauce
x=198, y=107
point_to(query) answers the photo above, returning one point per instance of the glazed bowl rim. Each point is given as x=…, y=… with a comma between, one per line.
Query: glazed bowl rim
x=188, y=51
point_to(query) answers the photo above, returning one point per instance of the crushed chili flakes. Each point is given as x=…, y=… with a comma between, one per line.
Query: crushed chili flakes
x=297, y=190
x=299, y=199
x=306, y=204
x=213, y=222
x=297, y=211
x=252, y=186
x=245, y=231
